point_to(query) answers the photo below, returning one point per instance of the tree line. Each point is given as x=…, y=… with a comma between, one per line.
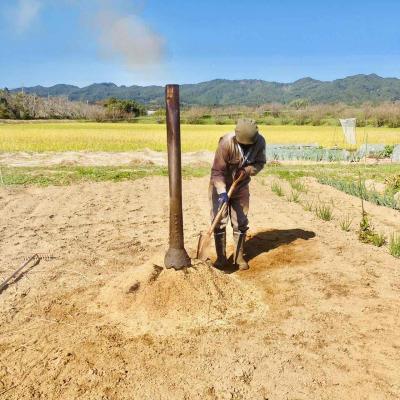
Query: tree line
x=23, y=106
x=298, y=112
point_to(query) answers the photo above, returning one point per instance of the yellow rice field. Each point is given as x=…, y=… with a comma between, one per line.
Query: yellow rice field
x=87, y=136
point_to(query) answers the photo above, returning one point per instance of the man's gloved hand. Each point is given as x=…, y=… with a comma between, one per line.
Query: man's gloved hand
x=222, y=198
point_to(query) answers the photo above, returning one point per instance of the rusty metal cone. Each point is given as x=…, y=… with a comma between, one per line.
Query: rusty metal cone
x=177, y=259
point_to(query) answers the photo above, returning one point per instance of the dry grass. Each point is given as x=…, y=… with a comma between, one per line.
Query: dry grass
x=294, y=196
x=308, y=205
x=277, y=189
x=345, y=223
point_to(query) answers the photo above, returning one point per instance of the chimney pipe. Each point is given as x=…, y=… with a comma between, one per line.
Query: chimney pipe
x=176, y=256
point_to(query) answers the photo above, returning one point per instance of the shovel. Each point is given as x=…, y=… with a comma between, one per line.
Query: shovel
x=204, y=238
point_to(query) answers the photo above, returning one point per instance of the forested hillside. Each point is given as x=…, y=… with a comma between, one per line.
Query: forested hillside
x=351, y=90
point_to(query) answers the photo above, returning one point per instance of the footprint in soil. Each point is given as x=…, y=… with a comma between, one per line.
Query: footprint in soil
x=264, y=241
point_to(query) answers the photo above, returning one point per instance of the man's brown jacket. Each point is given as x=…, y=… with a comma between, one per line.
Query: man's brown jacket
x=229, y=158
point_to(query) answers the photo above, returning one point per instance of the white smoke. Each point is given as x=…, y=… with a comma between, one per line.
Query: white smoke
x=121, y=33
x=24, y=14
x=129, y=38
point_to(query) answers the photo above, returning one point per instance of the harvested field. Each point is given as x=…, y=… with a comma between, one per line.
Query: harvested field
x=315, y=317
x=122, y=137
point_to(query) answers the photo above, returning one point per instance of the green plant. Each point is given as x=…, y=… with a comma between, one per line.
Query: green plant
x=379, y=240
x=324, y=212
x=294, y=196
x=388, y=151
x=277, y=189
x=367, y=233
x=345, y=223
x=308, y=205
x=120, y=109
x=299, y=186
x=394, y=245
x=360, y=190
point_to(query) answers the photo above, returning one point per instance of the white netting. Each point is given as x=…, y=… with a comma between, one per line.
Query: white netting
x=349, y=129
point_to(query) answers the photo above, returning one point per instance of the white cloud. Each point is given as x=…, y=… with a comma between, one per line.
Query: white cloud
x=24, y=14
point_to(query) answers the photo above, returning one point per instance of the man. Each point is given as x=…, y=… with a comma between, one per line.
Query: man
x=239, y=155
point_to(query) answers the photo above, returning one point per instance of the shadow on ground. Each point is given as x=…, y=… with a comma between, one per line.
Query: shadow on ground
x=265, y=241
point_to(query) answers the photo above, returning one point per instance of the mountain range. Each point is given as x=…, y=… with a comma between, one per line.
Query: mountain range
x=351, y=90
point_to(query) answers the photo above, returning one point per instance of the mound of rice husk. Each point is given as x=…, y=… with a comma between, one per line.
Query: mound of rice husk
x=150, y=298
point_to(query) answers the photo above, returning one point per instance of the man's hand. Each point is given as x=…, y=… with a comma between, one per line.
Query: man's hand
x=222, y=198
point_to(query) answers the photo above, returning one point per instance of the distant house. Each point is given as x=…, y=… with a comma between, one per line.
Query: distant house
x=150, y=112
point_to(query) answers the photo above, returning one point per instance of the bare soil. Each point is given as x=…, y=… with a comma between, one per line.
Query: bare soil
x=315, y=317
x=146, y=156
x=100, y=158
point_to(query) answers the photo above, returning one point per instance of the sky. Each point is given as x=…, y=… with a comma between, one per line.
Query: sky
x=45, y=42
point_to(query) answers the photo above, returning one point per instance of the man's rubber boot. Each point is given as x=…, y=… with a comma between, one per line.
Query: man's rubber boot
x=220, y=248
x=238, y=258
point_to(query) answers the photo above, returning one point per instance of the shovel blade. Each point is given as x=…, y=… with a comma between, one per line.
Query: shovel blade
x=202, y=247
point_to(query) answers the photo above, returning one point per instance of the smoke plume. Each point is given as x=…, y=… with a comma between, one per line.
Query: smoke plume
x=24, y=13
x=129, y=38
x=119, y=30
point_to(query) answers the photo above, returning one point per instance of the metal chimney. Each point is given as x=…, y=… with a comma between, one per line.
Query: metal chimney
x=176, y=256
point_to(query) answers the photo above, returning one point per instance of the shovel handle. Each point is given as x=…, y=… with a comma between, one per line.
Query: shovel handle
x=204, y=239
x=218, y=217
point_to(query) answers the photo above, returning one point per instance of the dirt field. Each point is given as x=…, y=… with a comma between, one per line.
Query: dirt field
x=143, y=157
x=315, y=317
x=147, y=156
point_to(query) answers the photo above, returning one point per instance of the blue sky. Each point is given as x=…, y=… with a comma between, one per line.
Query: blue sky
x=63, y=41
